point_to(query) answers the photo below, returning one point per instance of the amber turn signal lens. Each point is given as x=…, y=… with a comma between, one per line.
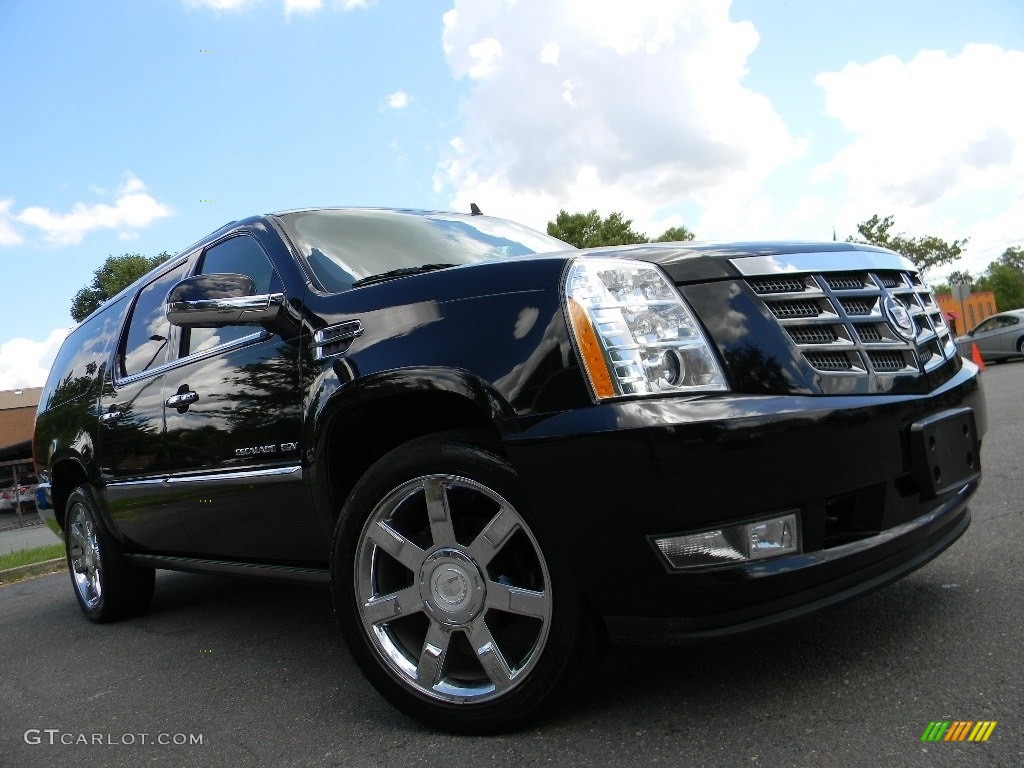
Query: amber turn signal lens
x=590, y=350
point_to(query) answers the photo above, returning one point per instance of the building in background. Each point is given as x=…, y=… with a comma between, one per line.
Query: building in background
x=963, y=316
x=17, y=420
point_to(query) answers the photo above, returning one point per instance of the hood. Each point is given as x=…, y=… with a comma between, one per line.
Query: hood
x=694, y=262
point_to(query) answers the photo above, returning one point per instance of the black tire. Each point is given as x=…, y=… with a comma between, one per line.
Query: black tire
x=106, y=585
x=436, y=612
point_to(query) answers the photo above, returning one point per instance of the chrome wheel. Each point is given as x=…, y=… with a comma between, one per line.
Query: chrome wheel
x=84, y=556
x=452, y=589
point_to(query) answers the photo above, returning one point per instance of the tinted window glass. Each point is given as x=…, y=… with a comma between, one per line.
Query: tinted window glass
x=82, y=359
x=145, y=344
x=239, y=256
x=344, y=246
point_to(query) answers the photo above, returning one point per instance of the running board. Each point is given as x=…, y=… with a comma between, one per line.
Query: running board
x=257, y=570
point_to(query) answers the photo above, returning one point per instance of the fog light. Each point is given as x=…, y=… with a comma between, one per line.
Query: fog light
x=733, y=544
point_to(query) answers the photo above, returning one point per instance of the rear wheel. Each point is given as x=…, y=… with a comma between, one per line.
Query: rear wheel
x=106, y=585
x=446, y=594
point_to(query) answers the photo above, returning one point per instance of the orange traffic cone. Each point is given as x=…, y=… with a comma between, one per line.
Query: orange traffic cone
x=976, y=357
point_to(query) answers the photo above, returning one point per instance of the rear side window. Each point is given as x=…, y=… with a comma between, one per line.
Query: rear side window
x=240, y=256
x=145, y=343
x=82, y=360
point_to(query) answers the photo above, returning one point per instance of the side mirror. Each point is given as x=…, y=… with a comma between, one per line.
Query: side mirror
x=213, y=301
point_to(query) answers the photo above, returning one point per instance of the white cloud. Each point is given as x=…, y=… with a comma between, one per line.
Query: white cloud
x=990, y=237
x=648, y=109
x=302, y=6
x=924, y=129
x=133, y=208
x=26, y=362
x=938, y=142
x=398, y=100
x=485, y=53
x=549, y=54
x=7, y=234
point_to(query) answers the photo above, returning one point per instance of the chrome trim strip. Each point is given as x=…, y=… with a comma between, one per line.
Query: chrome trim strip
x=836, y=261
x=255, y=476
x=259, y=333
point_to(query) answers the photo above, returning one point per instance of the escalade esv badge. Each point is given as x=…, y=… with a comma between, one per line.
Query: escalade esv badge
x=736, y=424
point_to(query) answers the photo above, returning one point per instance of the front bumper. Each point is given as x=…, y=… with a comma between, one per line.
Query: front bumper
x=605, y=480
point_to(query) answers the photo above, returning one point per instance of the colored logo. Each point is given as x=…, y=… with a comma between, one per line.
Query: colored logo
x=958, y=730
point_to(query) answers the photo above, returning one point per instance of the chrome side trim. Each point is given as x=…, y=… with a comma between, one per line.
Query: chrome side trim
x=253, y=476
x=836, y=261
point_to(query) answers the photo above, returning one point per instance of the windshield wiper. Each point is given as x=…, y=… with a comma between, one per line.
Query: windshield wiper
x=401, y=272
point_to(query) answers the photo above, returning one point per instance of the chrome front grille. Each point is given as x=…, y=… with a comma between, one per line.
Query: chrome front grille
x=778, y=285
x=788, y=309
x=841, y=324
x=859, y=306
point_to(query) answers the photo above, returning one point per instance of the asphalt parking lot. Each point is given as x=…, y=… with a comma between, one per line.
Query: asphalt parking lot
x=257, y=674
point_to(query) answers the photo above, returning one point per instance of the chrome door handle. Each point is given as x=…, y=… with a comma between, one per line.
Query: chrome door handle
x=181, y=399
x=110, y=417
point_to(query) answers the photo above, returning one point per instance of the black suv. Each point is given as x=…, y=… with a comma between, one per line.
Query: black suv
x=496, y=449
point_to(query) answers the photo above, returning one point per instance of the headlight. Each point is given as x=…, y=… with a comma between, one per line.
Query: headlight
x=635, y=333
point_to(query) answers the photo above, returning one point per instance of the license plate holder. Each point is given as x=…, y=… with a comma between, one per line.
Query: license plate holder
x=944, y=451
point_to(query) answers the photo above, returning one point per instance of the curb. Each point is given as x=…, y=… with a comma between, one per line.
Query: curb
x=33, y=569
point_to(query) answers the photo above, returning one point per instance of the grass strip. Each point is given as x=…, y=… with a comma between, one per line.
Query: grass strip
x=30, y=556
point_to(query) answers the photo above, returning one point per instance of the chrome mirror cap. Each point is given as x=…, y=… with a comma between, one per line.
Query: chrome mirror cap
x=212, y=301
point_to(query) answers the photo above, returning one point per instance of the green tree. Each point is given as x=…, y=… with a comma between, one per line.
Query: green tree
x=960, y=276
x=675, y=235
x=926, y=252
x=1005, y=278
x=116, y=274
x=589, y=230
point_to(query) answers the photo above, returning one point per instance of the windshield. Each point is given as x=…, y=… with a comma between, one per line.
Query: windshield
x=343, y=246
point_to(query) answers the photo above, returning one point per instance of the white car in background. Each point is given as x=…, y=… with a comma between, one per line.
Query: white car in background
x=999, y=337
x=25, y=491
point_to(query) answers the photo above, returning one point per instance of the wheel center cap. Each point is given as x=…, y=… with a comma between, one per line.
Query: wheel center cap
x=452, y=586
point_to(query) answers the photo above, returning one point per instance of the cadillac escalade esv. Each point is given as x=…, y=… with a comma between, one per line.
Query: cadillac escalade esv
x=496, y=449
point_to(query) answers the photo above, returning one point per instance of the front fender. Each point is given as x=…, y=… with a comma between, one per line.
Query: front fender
x=338, y=394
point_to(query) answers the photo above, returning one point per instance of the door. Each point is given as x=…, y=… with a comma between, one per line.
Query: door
x=130, y=439
x=234, y=425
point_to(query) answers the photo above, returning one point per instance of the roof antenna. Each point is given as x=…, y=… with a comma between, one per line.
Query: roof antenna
x=474, y=210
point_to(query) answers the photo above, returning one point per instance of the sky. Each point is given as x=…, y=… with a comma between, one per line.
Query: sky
x=138, y=126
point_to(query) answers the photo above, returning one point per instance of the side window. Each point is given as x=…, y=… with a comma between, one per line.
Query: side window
x=241, y=256
x=145, y=343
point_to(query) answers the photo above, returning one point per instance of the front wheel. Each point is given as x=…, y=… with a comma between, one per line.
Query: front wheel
x=106, y=585
x=446, y=594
